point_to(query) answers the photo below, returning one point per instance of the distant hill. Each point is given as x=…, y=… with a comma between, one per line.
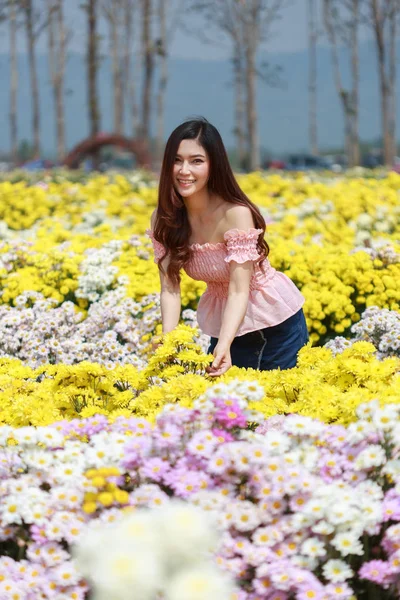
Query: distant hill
x=205, y=87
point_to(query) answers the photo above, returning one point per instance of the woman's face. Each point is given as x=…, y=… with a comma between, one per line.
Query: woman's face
x=191, y=168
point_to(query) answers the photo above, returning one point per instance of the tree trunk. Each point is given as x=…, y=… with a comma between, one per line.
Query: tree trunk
x=312, y=83
x=354, y=156
x=348, y=134
x=57, y=58
x=130, y=67
x=392, y=80
x=239, y=104
x=384, y=86
x=92, y=65
x=33, y=77
x=349, y=98
x=114, y=19
x=13, y=80
x=252, y=36
x=148, y=64
x=60, y=108
x=163, y=80
x=254, y=150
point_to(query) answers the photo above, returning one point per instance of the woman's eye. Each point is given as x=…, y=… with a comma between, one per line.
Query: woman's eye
x=198, y=161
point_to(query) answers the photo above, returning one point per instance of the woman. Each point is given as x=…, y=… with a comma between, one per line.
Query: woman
x=206, y=225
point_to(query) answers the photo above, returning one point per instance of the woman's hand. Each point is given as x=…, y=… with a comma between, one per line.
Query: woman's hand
x=222, y=361
x=156, y=342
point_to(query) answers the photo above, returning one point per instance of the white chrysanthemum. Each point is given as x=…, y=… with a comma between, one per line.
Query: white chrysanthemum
x=26, y=436
x=38, y=459
x=392, y=467
x=372, y=456
x=323, y=528
x=202, y=582
x=276, y=442
x=371, y=489
x=342, y=513
x=187, y=532
x=302, y=425
x=347, y=543
x=245, y=516
x=386, y=417
x=336, y=570
x=138, y=529
x=313, y=547
x=366, y=409
x=50, y=437
x=11, y=510
x=121, y=568
x=359, y=431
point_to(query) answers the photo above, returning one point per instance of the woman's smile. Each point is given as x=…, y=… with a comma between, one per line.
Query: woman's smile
x=191, y=168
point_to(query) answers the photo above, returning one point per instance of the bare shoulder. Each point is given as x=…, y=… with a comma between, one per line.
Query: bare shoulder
x=238, y=216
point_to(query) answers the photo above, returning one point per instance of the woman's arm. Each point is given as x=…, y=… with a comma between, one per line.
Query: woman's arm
x=235, y=310
x=236, y=305
x=170, y=296
x=240, y=217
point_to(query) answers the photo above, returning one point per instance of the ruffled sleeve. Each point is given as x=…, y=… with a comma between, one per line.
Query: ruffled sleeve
x=159, y=249
x=242, y=245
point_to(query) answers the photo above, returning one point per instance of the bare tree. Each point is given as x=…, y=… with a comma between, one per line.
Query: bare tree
x=58, y=39
x=92, y=60
x=312, y=70
x=163, y=76
x=12, y=17
x=115, y=13
x=148, y=69
x=247, y=24
x=35, y=21
x=168, y=14
x=382, y=18
x=342, y=22
x=240, y=99
x=130, y=65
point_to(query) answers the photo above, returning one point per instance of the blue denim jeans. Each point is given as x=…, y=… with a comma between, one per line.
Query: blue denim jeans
x=270, y=348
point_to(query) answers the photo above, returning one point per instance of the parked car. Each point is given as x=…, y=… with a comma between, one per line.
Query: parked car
x=37, y=165
x=307, y=162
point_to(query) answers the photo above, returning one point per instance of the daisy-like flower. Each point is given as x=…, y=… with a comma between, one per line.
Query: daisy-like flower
x=66, y=574
x=313, y=547
x=347, y=543
x=218, y=463
x=376, y=571
x=373, y=456
x=339, y=591
x=336, y=570
x=245, y=516
x=276, y=442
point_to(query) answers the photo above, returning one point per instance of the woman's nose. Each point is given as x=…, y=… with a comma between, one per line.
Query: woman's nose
x=185, y=167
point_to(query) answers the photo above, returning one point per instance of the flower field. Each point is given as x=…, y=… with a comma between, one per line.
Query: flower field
x=298, y=471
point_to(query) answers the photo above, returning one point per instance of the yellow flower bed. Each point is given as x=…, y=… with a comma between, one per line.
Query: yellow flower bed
x=311, y=238
x=316, y=230
x=329, y=388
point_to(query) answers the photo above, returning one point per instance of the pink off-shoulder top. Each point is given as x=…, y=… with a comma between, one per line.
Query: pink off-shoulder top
x=273, y=296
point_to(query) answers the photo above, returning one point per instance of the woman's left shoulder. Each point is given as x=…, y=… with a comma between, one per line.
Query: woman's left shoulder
x=239, y=216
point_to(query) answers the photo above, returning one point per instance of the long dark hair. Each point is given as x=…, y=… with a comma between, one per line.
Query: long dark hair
x=171, y=227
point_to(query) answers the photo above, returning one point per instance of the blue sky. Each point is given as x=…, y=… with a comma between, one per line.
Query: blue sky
x=289, y=33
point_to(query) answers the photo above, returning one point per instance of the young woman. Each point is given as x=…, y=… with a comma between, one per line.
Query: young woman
x=207, y=226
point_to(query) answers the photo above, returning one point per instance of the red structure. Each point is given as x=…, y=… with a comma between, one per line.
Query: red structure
x=92, y=145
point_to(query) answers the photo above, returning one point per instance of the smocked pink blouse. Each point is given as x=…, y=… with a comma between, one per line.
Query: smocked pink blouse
x=273, y=296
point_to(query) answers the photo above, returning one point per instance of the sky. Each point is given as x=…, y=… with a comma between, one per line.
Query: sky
x=200, y=73
x=289, y=33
